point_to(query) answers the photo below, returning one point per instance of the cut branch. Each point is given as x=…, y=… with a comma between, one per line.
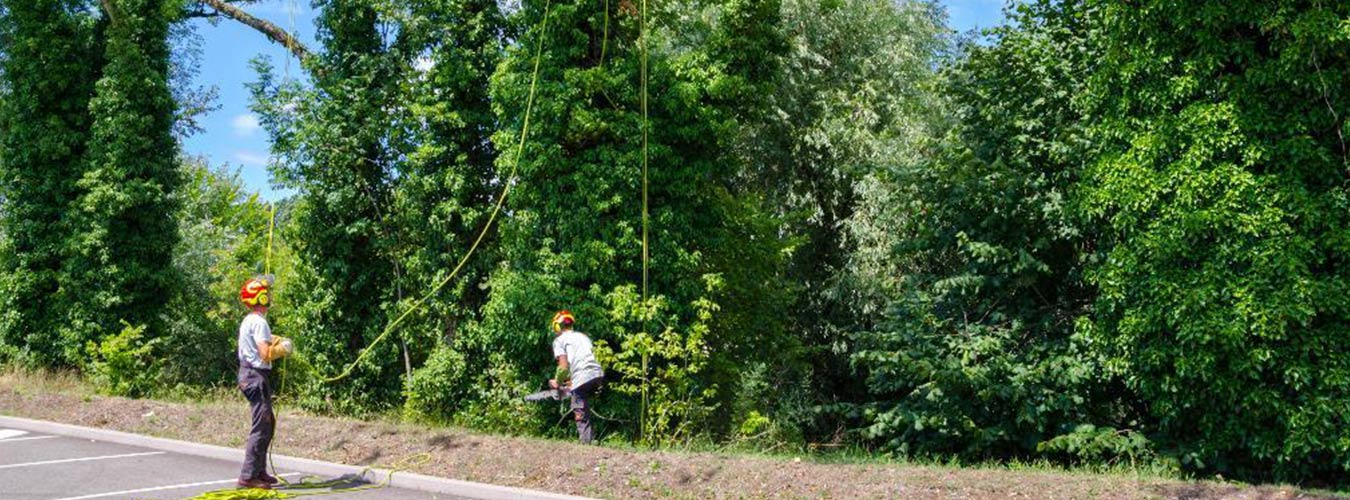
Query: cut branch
x=272, y=31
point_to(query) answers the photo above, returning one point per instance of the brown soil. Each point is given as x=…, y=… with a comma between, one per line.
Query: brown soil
x=591, y=471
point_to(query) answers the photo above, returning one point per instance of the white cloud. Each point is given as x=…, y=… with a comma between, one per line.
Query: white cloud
x=250, y=158
x=245, y=124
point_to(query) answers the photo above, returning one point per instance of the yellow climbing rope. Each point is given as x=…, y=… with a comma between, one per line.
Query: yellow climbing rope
x=646, y=306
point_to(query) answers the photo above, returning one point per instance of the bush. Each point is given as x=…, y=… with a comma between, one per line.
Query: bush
x=1103, y=445
x=440, y=389
x=124, y=364
x=662, y=368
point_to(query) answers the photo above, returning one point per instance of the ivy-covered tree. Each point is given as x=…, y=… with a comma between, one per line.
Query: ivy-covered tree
x=51, y=59
x=573, y=237
x=120, y=266
x=1223, y=196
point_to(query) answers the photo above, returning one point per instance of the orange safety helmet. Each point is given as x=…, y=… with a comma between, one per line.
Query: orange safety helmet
x=256, y=292
x=562, y=318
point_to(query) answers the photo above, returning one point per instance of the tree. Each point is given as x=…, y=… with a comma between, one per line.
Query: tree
x=982, y=254
x=52, y=58
x=853, y=92
x=1223, y=198
x=333, y=148
x=573, y=236
x=445, y=186
x=120, y=266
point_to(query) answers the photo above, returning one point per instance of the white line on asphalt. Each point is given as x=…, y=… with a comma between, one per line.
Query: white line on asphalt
x=9, y=433
x=85, y=459
x=159, y=488
x=29, y=438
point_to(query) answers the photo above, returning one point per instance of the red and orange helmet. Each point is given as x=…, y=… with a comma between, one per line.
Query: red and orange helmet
x=562, y=319
x=256, y=292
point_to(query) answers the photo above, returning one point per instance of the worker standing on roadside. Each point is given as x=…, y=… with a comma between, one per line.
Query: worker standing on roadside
x=577, y=370
x=257, y=349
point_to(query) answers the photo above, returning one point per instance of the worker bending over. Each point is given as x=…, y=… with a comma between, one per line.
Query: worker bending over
x=577, y=370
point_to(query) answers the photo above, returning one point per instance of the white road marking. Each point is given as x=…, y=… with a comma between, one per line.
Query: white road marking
x=159, y=488
x=29, y=438
x=85, y=459
x=9, y=433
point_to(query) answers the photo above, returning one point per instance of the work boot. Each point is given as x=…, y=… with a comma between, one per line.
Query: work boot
x=254, y=483
x=269, y=479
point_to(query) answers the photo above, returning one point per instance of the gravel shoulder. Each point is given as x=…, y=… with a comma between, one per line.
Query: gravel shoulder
x=592, y=471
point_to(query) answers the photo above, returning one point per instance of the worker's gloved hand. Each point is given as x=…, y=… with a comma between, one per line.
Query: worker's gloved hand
x=553, y=383
x=281, y=347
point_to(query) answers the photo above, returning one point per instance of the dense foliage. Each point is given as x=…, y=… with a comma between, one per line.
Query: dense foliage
x=1224, y=195
x=120, y=264
x=976, y=353
x=1106, y=231
x=50, y=65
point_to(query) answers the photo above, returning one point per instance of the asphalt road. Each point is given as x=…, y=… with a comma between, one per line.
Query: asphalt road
x=47, y=467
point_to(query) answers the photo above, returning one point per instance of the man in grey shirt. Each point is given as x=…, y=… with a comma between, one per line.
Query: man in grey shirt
x=257, y=349
x=577, y=369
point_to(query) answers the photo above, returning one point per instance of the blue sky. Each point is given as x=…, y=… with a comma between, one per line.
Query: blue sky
x=232, y=136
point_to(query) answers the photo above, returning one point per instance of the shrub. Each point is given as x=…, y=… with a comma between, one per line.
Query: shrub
x=124, y=364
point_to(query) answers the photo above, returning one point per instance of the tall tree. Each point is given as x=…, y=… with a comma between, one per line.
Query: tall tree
x=332, y=140
x=120, y=266
x=445, y=186
x=853, y=93
x=1223, y=195
x=980, y=258
x=52, y=59
x=573, y=234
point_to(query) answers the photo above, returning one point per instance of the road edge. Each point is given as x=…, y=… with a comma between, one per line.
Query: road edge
x=406, y=480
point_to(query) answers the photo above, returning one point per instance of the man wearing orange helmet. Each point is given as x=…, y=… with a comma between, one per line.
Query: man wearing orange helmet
x=257, y=349
x=577, y=370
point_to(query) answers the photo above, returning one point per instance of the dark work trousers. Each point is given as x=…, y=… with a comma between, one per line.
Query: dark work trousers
x=256, y=386
x=581, y=407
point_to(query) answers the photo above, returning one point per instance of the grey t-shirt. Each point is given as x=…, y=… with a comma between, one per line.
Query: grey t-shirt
x=580, y=357
x=253, y=330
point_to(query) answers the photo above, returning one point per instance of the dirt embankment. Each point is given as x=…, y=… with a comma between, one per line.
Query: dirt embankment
x=592, y=471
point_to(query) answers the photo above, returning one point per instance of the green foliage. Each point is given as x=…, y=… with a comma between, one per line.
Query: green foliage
x=1223, y=293
x=438, y=389
x=977, y=354
x=51, y=59
x=1100, y=445
x=495, y=404
x=120, y=265
x=225, y=242
x=853, y=93
x=124, y=364
x=662, y=368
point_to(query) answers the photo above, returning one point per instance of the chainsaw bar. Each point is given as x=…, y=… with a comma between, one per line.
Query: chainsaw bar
x=550, y=394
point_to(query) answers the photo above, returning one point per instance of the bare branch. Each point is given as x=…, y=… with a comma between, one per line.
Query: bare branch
x=272, y=31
